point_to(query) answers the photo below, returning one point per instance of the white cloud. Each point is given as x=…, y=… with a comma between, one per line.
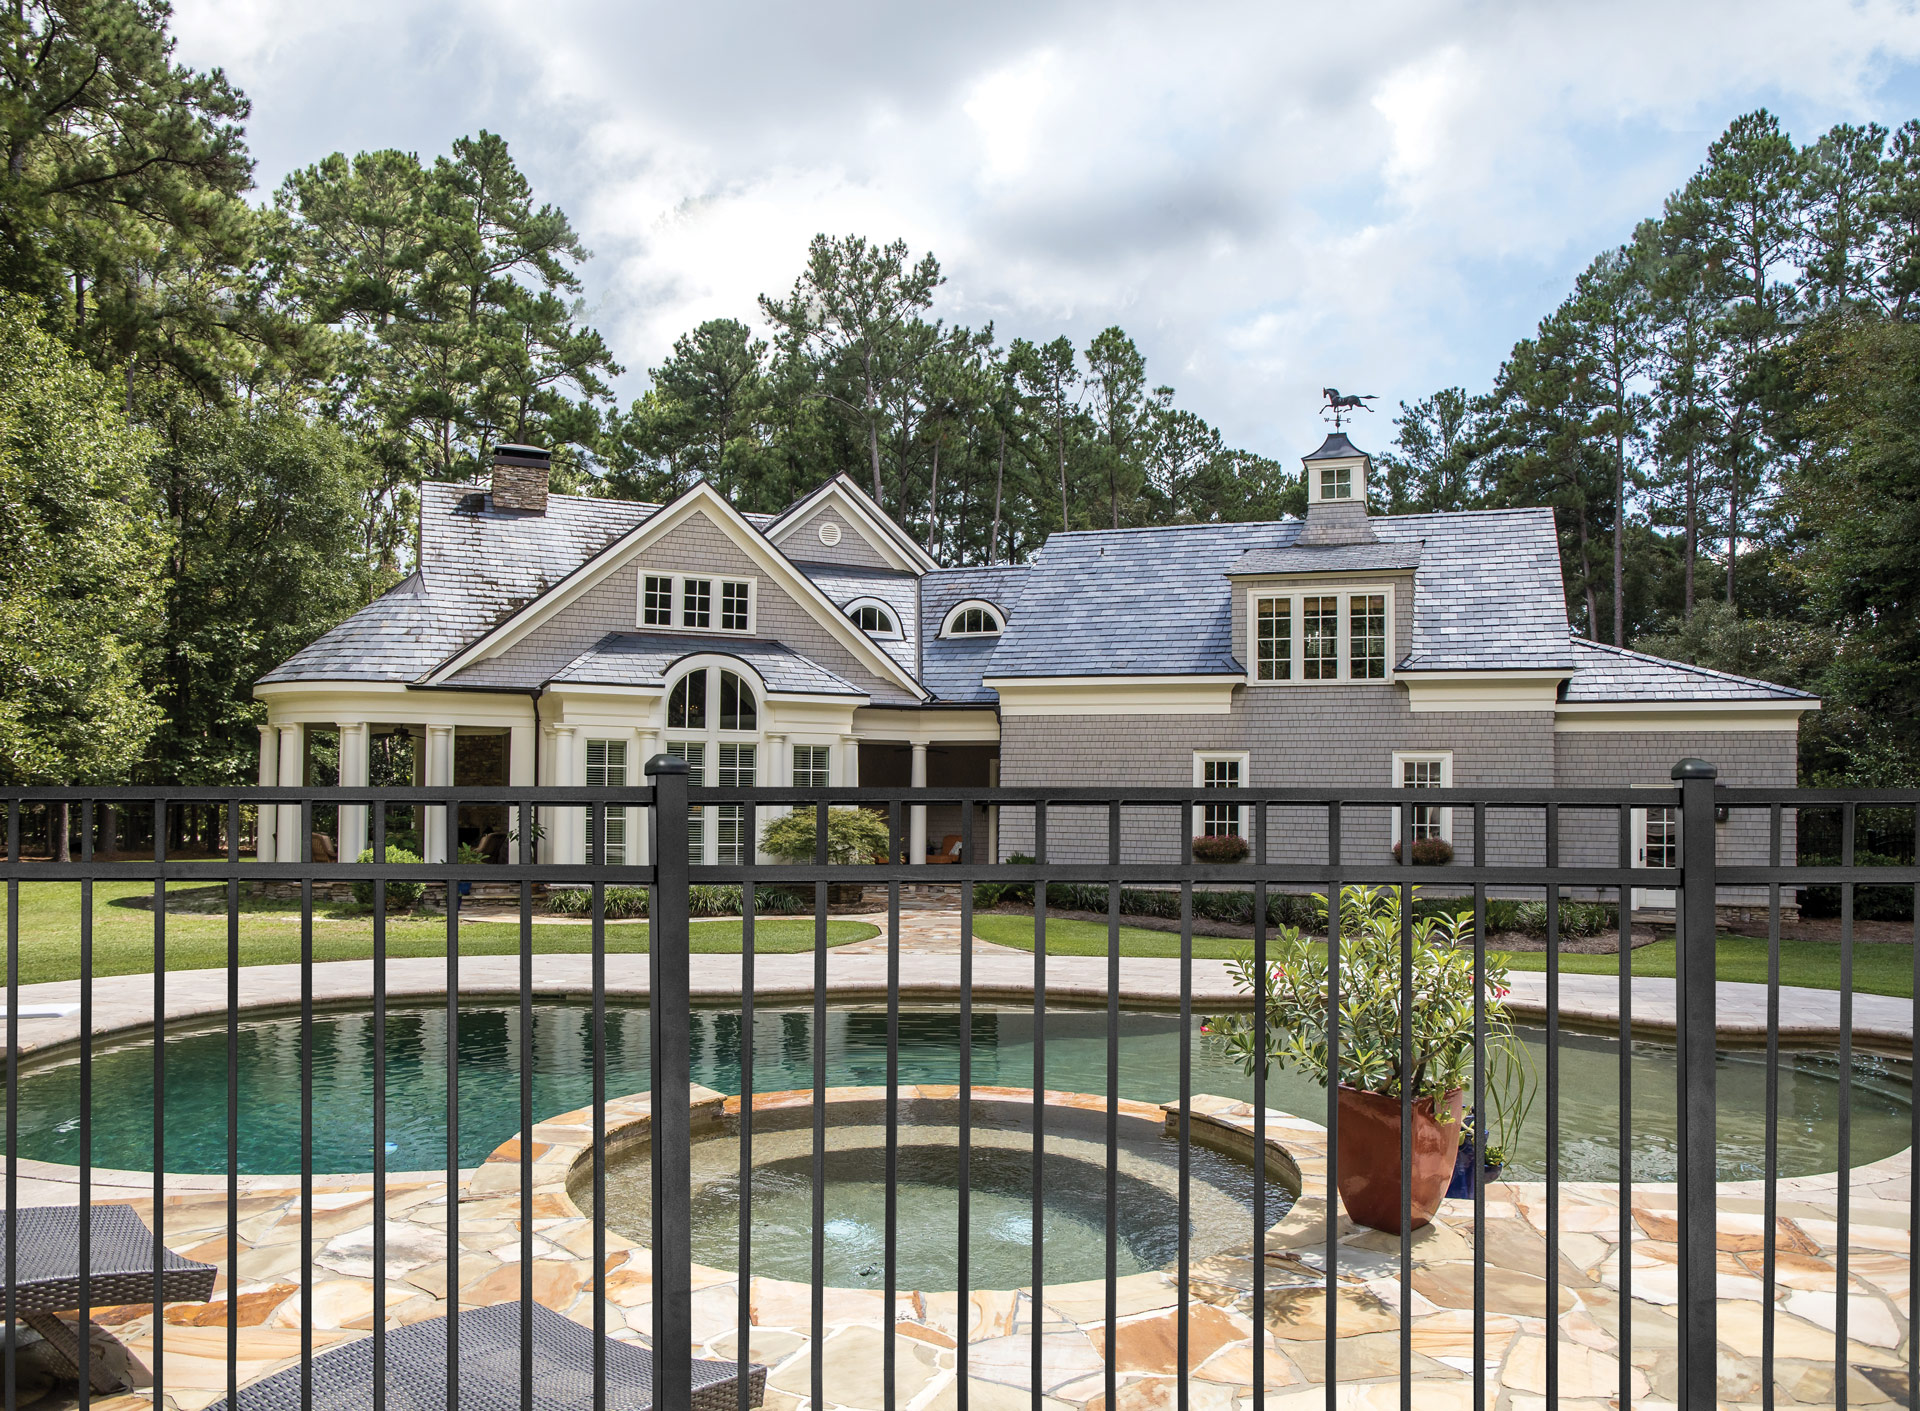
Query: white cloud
x=1271, y=199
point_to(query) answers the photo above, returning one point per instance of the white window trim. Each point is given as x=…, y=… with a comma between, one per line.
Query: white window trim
x=793, y=763
x=1201, y=759
x=1445, y=760
x=892, y=612
x=1357, y=482
x=1296, y=594
x=953, y=615
x=679, y=581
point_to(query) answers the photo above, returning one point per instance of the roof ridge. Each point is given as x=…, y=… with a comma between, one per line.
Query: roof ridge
x=1694, y=667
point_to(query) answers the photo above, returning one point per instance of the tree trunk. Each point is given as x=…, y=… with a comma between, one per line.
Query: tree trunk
x=999, y=480
x=109, y=843
x=1733, y=529
x=1693, y=528
x=933, y=500
x=62, y=825
x=1619, y=537
x=1586, y=574
x=1060, y=440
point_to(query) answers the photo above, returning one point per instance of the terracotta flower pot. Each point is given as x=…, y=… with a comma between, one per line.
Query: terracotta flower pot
x=1369, y=1152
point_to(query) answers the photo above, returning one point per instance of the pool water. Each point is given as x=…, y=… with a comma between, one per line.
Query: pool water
x=1002, y=1047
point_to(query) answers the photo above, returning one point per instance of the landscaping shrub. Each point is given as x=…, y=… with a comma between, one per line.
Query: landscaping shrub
x=1428, y=852
x=1222, y=847
x=400, y=895
x=854, y=835
x=1870, y=903
x=630, y=903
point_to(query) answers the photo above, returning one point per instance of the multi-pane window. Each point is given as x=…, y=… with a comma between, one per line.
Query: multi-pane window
x=871, y=617
x=1336, y=482
x=696, y=602
x=1273, y=639
x=1220, y=772
x=1367, y=645
x=607, y=769
x=1425, y=772
x=1320, y=638
x=811, y=766
x=687, y=602
x=656, y=601
x=737, y=709
x=687, y=706
x=973, y=622
x=1663, y=838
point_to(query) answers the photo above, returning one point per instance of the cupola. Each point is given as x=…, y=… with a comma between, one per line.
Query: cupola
x=1337, y=494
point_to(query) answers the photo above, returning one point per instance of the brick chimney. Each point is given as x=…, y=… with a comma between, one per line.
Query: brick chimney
x=1337, y=494
x=520, y=478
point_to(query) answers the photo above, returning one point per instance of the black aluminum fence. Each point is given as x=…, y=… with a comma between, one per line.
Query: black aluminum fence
x=1167, y=819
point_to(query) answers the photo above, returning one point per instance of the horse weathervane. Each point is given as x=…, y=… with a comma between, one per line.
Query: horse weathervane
x=1343, y=408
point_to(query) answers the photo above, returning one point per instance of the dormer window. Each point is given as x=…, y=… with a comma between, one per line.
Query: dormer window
x=873, y=617
x=1336, y=482
x=973, y=619
x=1321, y=634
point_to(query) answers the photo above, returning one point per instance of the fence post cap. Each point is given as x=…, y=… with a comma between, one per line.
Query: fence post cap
x=666, y=764
x=1692, y=769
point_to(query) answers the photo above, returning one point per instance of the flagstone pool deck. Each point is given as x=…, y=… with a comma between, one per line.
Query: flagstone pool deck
x=262, y=1292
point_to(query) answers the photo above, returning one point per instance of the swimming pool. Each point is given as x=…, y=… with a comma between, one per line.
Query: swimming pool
x=488, y=1047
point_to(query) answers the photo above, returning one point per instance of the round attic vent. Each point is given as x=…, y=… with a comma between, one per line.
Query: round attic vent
x=829, y=533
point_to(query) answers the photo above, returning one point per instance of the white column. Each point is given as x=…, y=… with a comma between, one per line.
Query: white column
x=567, y=836
x=640, y=826
x=293, y=765
x=849, y=760
x=439, y=776
x=355, y=765
x=522, y=741
x=269, y=776
x=776, y=772
x=917, y=828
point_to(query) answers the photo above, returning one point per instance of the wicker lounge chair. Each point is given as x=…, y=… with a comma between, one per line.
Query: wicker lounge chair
x=120, y=1265
x=416, y=1377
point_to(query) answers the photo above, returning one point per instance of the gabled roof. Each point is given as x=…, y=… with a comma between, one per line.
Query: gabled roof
x=1613, y=674
x=857, y=505
x=648, y=658
x=751, y=540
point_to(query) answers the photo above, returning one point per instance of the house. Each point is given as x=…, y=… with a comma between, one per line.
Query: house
x=560, y=639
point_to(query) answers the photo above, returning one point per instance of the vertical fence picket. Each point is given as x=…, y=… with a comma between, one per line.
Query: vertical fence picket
x=1696, y=1110
x=671, y=998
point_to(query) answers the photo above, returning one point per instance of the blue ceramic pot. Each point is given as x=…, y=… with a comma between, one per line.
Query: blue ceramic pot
x=1465, y=1165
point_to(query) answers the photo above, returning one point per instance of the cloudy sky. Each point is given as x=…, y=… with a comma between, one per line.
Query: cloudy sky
x=1270, y=197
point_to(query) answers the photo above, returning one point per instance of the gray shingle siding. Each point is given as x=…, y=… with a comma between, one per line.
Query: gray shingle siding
x=854, y=548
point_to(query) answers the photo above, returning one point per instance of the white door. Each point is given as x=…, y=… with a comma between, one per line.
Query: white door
x=1656, y=843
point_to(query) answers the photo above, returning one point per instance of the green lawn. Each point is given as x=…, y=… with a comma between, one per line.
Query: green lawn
x=1878, y=968
x=270, y=934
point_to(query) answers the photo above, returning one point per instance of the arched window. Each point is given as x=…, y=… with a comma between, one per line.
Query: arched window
x=973, y=619
x=709, y=711
x=874, y=617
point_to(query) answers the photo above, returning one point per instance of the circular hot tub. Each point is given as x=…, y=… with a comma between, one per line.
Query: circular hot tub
x=1072, y=1180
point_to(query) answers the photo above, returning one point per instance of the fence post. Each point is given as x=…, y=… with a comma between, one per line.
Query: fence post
x=1694, y=1013
x=669, y=987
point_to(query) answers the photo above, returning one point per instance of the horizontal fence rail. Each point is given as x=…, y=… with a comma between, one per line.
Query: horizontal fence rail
x=1689, y=857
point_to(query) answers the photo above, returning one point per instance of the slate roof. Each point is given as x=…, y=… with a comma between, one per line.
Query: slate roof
x=844, y=583
x=1613, y=674
x=646, y=659
x=476, y=567
x=951, y=667
x=1134, y=602
x=1327, y=558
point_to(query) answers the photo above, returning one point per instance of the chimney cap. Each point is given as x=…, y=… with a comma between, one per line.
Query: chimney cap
x=525, y=453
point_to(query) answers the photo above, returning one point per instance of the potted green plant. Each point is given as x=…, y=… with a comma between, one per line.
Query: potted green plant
x=1513, y=1081
x=854, y=835
x=1372, y=1076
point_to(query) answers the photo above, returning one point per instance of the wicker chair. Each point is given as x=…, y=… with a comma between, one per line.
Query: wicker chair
x=416, y=1372
x=120, y=1271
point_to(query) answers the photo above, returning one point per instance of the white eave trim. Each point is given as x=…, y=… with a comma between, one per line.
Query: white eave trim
x=1624, y=716
x=619, y=555
x=1115, y=695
